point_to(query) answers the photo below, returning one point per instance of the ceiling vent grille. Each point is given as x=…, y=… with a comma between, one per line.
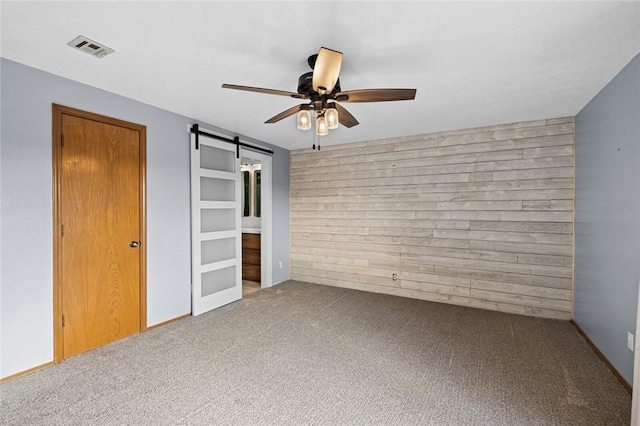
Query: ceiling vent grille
x=91, y=47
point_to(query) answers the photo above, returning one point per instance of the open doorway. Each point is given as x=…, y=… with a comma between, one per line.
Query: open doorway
x=216, y=218
x=256, y=221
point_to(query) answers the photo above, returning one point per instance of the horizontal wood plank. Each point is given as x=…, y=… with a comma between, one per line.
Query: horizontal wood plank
x=474, y=217
x=438, y=297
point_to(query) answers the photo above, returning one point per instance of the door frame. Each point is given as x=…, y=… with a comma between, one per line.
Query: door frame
x=266, y=233
x=57, y=112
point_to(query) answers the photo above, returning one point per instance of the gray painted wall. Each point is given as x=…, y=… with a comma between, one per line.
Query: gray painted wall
x=607, y=259
x=26, y=267
x=280, y=199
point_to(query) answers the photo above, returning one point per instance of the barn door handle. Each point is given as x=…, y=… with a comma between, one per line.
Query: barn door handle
x=134, y=244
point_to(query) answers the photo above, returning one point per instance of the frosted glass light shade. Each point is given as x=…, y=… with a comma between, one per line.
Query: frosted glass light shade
x=331, y=115
x=304, y=119
x=321, y=126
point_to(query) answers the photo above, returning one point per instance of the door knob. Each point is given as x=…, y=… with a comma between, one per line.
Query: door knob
x=134, y=244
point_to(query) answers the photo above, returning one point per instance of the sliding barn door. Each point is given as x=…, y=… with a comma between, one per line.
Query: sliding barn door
x=216, y=224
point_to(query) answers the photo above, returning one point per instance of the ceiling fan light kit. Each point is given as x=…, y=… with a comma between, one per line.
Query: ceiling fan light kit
x=304, y=119
x=322, y=86
x=321, y=126
x=332, y=116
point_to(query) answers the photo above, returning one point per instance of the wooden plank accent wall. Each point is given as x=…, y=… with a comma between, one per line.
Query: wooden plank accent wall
x=479, y=217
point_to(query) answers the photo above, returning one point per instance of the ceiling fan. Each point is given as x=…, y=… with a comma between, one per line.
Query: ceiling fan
x=321, y=88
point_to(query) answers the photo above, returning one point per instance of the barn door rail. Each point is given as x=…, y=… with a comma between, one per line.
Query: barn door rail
x=195, y=129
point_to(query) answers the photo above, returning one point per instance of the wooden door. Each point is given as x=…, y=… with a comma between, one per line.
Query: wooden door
x=99, y=254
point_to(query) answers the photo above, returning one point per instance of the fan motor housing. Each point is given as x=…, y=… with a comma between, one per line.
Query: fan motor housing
x=305, y=85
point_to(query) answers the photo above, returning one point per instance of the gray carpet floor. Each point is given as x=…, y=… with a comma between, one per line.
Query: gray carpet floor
x=308, y=354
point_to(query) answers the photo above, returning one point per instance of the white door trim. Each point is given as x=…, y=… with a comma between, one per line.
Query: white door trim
x=266, y=209
x=635, y=402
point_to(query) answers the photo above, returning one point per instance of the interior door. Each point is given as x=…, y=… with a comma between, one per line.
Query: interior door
x=216, y=224
x=99, y=212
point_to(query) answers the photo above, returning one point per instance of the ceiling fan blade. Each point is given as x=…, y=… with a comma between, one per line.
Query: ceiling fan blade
x=284, y=114
x=376, y=95
x=267, y=91
x=326, y=70
x=345, y=117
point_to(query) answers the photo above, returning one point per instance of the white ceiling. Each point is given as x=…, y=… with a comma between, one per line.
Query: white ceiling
x=473, y=64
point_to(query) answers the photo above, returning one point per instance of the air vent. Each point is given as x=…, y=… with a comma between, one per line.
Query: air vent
x=91, y=47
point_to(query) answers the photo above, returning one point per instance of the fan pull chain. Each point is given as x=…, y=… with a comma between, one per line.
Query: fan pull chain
x=313, y=133
x=314, y=136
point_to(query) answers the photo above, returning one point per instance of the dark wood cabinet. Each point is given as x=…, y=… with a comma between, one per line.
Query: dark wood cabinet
x=251, y=257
